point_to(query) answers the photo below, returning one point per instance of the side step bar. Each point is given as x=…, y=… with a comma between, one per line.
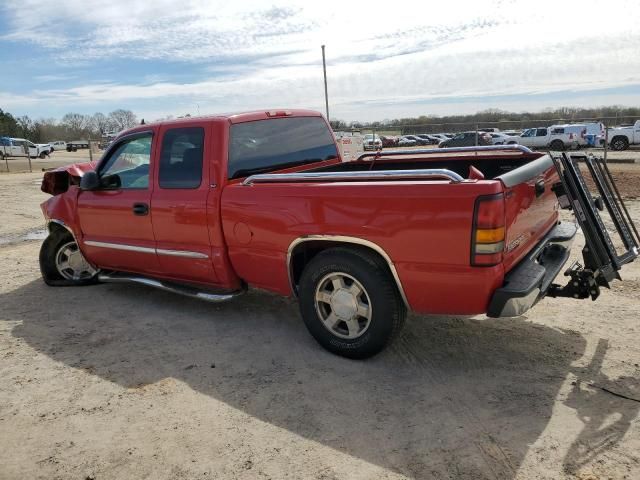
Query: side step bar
x=186, y=290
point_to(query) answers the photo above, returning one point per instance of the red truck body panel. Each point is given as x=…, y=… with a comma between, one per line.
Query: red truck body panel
x=239, y=234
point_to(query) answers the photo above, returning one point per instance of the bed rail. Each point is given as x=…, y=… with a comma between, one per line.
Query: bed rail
x=423, y=174
x=435, y=151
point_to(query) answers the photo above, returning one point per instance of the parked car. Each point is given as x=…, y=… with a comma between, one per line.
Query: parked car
x=429, y=138
x=417, y=139
x=264, y=200
x=389, y=141
x=503, y=139
x=553, y=138
x=437, y=138
x=406, y=142
x=58, y=145
x=621, y=137
x=370, y=142
x=466, y=139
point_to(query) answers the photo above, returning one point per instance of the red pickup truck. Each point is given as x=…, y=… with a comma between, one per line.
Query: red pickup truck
x=208, y=206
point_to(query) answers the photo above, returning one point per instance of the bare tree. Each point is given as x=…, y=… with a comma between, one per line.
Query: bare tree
x=122, y=119
x=75, y=122
x=25, y=124
x=100, y=123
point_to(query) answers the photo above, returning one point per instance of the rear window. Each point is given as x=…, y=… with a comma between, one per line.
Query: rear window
x=266, y=145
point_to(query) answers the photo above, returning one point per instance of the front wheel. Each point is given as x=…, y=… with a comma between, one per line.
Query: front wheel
x=62, y=262
x=350, y=303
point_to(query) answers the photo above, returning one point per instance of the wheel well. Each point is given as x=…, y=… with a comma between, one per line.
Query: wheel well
x=59, y=228
x=623, y=137
x=302, y=253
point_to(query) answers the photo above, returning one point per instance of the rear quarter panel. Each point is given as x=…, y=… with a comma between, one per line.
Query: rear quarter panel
x=424, y=227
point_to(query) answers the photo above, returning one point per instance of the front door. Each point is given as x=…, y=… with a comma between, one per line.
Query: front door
x=115, y=219
x=179, y=203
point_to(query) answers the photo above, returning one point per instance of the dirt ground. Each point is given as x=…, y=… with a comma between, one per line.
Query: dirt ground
x=114, y=381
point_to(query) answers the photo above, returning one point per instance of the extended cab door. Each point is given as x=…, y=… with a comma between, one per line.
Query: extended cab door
x=179, y=203
x=115, y=219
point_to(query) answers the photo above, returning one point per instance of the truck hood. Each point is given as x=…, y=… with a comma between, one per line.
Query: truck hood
x=58, y=180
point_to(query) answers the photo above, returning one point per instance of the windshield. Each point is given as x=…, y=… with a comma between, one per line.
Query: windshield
x=267, y=145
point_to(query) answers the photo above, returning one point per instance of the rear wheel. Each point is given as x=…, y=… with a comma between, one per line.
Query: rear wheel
x=619, y=143
x=350, y=303
x=557, y=145
x=62, y=262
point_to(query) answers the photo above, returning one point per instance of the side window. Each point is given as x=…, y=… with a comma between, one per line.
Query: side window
x=542, y=132
x=181, y=158
x=129, y=162
x=557, y=131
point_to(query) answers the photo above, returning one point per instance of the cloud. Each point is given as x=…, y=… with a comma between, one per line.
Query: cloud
x=246, y=55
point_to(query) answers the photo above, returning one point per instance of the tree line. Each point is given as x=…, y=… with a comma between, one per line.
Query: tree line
x=72, y=126
x=610, y=115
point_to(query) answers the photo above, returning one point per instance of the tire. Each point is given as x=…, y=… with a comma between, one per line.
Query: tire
x=43, y=155
x=619, y=143
x=557, y=145
x=353, y=325
x=512, y=143
x=60, y=247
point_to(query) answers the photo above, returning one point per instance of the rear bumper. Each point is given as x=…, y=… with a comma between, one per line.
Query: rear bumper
x=529, y=281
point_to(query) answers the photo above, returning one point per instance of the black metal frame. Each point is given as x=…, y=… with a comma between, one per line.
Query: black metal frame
x=602, y=262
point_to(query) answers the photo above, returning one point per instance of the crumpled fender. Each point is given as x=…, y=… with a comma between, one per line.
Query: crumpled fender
x=60, y=211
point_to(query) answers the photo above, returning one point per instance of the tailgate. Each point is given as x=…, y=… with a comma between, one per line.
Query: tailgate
x=531, y=207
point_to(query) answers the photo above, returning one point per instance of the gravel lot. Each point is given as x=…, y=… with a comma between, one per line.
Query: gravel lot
x=114, y=381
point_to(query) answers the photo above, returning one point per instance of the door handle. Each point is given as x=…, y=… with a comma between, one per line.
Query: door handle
x=539, y=188
x=140, y=209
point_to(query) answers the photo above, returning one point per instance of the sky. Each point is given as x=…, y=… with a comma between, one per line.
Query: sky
x=384, y=60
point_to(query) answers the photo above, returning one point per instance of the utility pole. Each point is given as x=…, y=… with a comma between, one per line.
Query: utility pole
x=326, y=95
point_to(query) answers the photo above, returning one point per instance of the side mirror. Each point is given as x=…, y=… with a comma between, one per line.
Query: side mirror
x=111, y=182
x=90, y=181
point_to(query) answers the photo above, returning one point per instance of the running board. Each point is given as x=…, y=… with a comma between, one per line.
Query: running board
x=186, y=290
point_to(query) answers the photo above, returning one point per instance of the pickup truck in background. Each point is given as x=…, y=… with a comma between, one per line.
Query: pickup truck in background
x=553, y=138
x=621, y=137
x=17, y=147
x=208, y=206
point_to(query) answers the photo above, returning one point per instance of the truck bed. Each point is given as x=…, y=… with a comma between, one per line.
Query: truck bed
x=491, y=166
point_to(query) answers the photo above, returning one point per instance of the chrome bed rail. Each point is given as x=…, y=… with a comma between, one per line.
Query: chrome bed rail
x=435, y=151
x=422, y=174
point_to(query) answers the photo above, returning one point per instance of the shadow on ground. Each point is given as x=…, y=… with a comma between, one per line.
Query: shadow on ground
x=452, y=397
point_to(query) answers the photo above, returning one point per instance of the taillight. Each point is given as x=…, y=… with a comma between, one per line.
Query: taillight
x=488, y=233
